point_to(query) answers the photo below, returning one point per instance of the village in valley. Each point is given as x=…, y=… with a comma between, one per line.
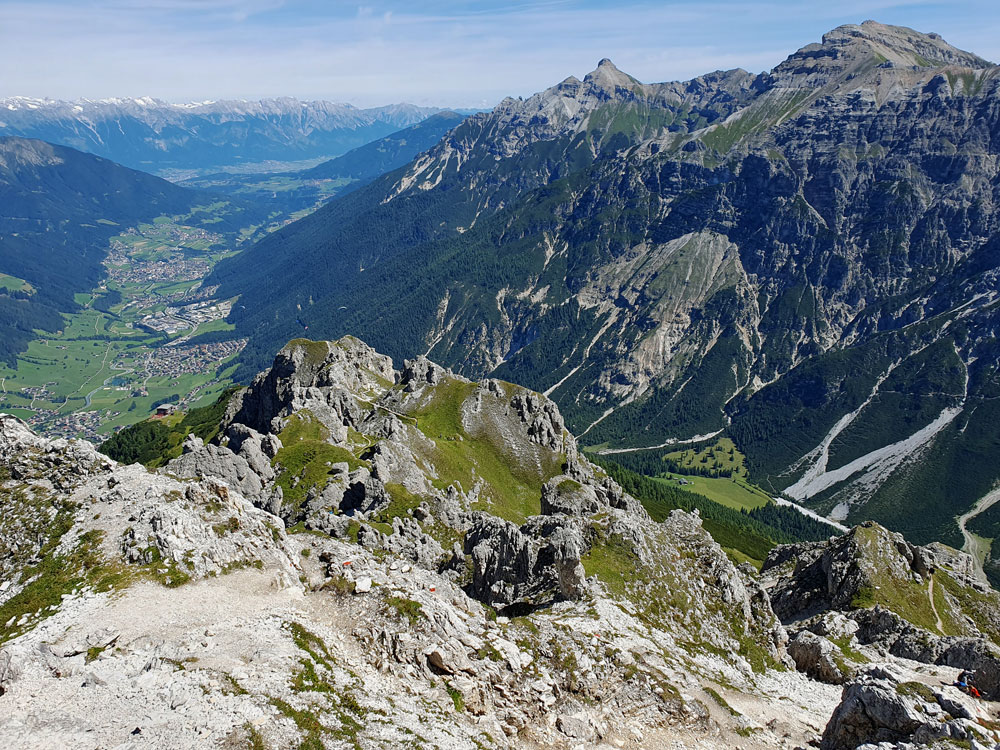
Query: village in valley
x=150, y=335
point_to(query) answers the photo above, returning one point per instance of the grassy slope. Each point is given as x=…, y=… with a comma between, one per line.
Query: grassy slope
x=732, y=493
x=304, y=461
x=513, y=489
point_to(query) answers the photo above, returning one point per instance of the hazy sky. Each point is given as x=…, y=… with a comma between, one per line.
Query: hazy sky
x=444, y=53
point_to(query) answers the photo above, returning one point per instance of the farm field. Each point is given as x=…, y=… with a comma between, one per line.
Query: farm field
x=128, y=349
x=733, y=493
x=14, y=284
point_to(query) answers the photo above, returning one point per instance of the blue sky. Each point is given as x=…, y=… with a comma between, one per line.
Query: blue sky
x=443, y=53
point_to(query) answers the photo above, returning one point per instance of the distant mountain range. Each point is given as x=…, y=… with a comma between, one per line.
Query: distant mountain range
x=154, y=135
x=806, y=260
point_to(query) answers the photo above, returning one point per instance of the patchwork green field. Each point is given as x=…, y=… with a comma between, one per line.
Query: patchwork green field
x=717, y=471
x=14, y=284
x=721, y=458
x=129, y=348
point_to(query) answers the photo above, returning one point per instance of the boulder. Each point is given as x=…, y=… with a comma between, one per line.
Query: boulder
x=563, y=494
x=449, y=658
x=875, y=708
x=576, y=728
x=199, y=461
x=535, y=564
x=420, y=372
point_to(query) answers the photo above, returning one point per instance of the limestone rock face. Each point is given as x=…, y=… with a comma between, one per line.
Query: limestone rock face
x=808, y=578
x=871, y=588
x=256, y=449
x=535, y=563
x=563, y=494
x=59, y=464
x=818, y=658
x=323, y=377
x=199, y=460
x=877, y=708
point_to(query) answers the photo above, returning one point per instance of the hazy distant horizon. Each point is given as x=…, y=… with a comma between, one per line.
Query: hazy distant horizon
x=466, y=55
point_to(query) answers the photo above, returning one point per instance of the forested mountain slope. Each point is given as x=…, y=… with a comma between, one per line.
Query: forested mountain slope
x=805, y=258
x=304, y=189
x=58, y=207
x=393, y=151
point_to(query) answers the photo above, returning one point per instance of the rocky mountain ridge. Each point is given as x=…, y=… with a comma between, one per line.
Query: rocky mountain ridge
x=362, y=557
x=803, y=260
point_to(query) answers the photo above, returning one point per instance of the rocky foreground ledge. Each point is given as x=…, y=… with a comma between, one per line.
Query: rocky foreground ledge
x=361, y=557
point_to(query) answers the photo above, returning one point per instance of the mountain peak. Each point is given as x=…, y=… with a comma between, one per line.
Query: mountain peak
x=901, y=45
x=851, y=50
x=608, y=77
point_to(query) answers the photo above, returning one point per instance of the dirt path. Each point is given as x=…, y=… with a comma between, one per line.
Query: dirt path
x=930, y=595
x=975, y=545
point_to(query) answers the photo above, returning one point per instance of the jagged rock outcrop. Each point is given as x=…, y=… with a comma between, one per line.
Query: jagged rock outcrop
x=57, y=464
x=533, y=564
x=399, y=576
x=871, y=588
x=877, y=708
x=324, y=377
x=813, y=577
x=199, y=461
x=433, y=469
x=256, y=449
x=819, y=658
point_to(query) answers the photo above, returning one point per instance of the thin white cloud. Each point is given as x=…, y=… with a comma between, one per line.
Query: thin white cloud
x=454, y=54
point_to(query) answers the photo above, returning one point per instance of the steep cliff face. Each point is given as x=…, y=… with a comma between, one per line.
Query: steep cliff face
x=806, y=258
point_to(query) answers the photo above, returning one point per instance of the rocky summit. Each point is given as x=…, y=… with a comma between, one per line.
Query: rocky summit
x=356, y=556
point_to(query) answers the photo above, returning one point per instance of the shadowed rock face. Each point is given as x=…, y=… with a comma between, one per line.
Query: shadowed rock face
x=319, y=376
x=811, y=577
